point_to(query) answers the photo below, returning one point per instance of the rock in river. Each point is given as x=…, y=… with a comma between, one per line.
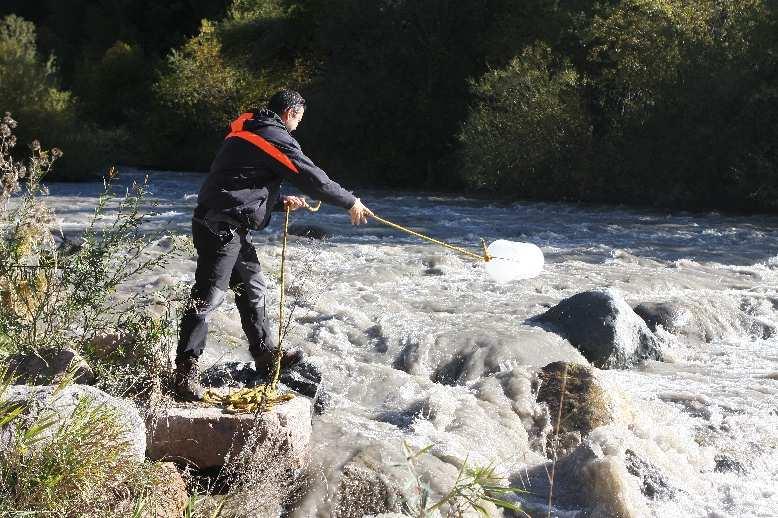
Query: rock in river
x=585, y=403
x=601, y=325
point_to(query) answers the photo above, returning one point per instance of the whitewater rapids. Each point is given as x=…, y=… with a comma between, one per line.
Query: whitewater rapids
x=383, y=314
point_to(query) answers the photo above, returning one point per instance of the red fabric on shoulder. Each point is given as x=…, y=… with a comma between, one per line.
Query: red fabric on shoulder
x=236, y=130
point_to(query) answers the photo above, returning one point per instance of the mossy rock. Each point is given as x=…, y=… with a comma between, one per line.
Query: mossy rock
x=585, y=405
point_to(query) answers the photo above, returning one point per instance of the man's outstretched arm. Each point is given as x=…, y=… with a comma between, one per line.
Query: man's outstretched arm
x=313, y=181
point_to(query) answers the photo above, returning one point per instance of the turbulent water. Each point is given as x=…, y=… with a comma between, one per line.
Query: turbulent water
x=418, y=344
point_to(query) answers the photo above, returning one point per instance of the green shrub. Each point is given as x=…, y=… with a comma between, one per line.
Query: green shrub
x=675, y=90
x=528, y=133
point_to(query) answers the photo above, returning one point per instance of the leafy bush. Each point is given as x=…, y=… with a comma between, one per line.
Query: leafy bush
x=528, y=133
x=674, y=86
x=200, y=92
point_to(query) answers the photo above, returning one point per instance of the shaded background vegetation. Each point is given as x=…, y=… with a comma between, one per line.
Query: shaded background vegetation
x=662, y=102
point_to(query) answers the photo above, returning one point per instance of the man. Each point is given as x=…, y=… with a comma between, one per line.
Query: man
x=242, y=188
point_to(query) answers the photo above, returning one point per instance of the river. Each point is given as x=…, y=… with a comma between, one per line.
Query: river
x=382, y=314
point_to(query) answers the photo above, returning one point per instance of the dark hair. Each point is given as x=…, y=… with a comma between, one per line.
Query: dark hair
x=285, y=100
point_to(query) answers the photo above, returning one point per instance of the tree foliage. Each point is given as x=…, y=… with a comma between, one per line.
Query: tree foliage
x=529, y=131
x=668, y=102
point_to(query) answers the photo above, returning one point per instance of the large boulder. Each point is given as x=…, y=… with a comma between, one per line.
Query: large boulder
x=39, y=401
x=585, y=403
x=204, y=436
x=603, y=327
x=49, y=366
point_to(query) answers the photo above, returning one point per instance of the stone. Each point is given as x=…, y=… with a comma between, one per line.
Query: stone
x=309, y=231
x=49, y=366
x=603, y=327
x=656, y=314
x=652, y=482
x=168, y=495
x=708, y=320
x=725, y=464
x=585, y=405
x=39, y=399
x=585, y=480
x=204, y=436
x=170, y=490
x=364, y=490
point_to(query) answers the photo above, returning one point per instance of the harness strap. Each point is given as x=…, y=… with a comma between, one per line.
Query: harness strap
x=236, y=130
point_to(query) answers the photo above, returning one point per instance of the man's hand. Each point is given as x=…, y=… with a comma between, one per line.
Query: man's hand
x=359, y=213
x=294, y=202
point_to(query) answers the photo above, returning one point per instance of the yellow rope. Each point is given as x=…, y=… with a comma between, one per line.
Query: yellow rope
x=484, y=257
x=246, y=400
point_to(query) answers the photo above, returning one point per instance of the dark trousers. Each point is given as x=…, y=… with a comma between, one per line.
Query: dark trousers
x=225, y=258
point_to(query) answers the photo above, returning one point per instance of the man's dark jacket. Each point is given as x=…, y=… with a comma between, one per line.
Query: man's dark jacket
x=244, y=182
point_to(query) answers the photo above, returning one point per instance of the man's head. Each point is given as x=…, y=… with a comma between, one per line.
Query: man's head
x=290, y=106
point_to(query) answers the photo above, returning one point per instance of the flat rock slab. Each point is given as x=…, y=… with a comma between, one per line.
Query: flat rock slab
x=204, y=435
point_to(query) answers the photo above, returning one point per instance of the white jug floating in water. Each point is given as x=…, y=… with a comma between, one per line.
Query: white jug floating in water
x=511, y=261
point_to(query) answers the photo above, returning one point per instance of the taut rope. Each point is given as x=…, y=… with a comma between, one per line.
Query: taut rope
x=485, y=257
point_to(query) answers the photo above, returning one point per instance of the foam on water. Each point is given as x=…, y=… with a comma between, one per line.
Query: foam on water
x=420, y=345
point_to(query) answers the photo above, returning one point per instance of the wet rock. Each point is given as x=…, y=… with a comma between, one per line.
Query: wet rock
x=204, y=435
x=49, y=366
x=586, y=478
x=603, y=327
x=67, y=244
x=696, y=405
x=713, y=319
x=43, y=399
x=726, y=464
x=364, y=490
x=304, y=378
x=652, y=482
x=585, y=403
x=656, y=314
x=310, y=231
x=459, y=358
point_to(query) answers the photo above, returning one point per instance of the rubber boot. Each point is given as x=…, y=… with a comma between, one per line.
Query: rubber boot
x=186, y=380
x=264, y=361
